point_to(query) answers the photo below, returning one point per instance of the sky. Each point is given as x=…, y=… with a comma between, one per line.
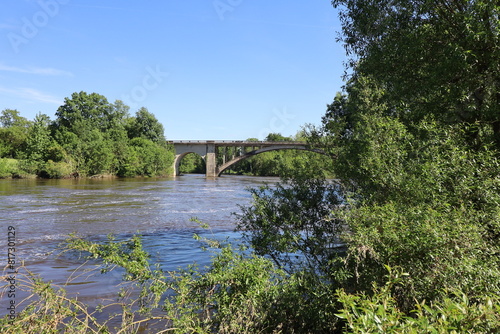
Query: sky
x=207, y=69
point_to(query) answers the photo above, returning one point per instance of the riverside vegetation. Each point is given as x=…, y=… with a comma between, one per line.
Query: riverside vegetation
x=90, y=136
x=405, y=241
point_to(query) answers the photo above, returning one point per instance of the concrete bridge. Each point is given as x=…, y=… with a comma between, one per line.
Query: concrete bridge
x=222, y=154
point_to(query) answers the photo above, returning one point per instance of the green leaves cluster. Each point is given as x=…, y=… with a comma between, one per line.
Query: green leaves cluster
x=456, y=313
x=429, y=58
x=292, y=224
x=90, y=136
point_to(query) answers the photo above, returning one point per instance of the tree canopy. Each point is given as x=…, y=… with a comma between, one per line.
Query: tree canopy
x=89, y=136
x=439, y=58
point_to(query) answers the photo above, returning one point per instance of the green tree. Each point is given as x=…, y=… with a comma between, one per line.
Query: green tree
x=39, y=139
x=277, y=137
x=11, y=117
x=94, y=134
x=145, y=125
x=192, y=163
x=415, y=148
x=83, y=112
x=152, y=158
x=13, y=134
x=429, y=57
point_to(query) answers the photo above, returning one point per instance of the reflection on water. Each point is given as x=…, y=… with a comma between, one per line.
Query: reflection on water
x=45, y=212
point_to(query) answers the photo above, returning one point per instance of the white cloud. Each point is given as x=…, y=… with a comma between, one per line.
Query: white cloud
x=31, y=95
x=35, y=70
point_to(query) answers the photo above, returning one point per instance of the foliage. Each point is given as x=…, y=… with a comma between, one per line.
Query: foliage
x=192, y=163
x=291, y=223
x=11, y=117
x=145, y=125
x=83, y=112
x=55, y=170
x=415, y=143
x=238, y=293
x=456, y=313
x=39, y=139
x=429, y=58
x=13, y=134
x=49, y=310
x=90, y=136
x=9, y=168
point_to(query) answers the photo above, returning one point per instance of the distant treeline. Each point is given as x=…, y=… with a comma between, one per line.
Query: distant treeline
x=90, y=136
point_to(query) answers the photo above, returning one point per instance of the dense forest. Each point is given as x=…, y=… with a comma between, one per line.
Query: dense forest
x=90, y=136
x=407, y=237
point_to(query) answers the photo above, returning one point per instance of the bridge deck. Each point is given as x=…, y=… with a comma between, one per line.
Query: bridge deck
x=239, y=143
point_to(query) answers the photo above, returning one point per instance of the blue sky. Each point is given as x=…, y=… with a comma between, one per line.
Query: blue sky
x=208, y=69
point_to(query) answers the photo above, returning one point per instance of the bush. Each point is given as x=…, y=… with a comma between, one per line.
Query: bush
x=8, y=168
x=16, y=169
x=56, y=170
x=456, y=313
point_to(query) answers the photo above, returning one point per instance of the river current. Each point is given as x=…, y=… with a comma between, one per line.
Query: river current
x=44, y=212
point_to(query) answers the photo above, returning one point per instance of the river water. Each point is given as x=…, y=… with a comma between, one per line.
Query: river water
x=44, y=212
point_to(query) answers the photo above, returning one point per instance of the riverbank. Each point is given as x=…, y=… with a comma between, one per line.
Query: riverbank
x=21, y=169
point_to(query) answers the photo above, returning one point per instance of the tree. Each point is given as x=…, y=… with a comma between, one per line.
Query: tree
x=152, y=158
x=11, y=117
x=192, y=163
x=416, y=145
x=83, y=112
x=145, y=125
x=429, y=57
x=39, y=139
x=93, y=132
x=415, y=148
x=277, y=137
x=13, y=133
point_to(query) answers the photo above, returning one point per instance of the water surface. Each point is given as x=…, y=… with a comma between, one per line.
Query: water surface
x=45, y=212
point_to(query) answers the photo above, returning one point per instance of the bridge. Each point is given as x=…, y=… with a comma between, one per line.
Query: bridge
x=219, y=155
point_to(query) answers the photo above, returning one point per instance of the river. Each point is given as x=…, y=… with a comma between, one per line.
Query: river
x=44, y=212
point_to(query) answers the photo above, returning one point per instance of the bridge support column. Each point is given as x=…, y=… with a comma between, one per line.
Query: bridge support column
x=211, y=161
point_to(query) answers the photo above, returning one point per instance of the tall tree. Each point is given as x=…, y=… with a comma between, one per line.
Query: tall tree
x=92, y=131
x=430, y=57
x=83, y=112
x=13, y=133
x=39, y=139
x=145, y=125
x=12, y=117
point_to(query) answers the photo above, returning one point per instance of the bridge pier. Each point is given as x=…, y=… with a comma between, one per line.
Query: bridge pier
x=211, y=161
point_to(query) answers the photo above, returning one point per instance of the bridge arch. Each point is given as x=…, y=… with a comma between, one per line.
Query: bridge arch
x=247, y=155
x=179, y=157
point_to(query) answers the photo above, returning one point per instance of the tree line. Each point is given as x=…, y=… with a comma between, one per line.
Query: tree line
x=89, y=136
